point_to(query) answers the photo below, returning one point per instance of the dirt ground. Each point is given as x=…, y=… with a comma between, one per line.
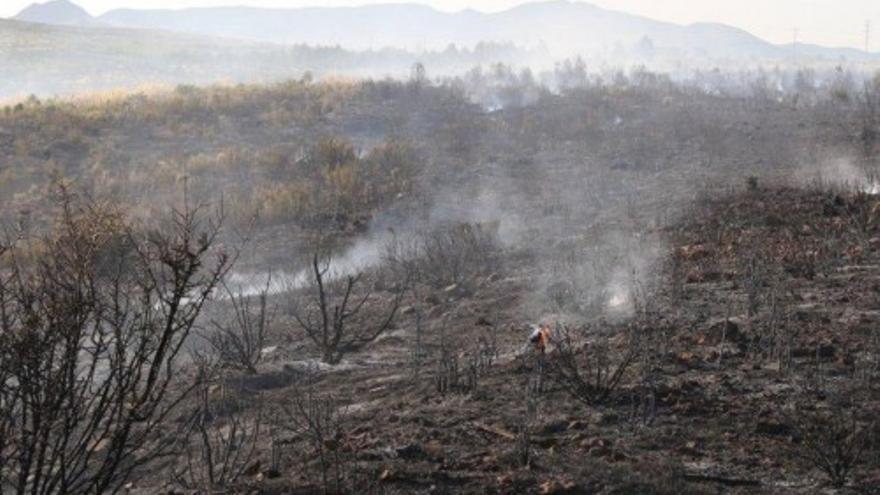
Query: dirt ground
x=706, y=408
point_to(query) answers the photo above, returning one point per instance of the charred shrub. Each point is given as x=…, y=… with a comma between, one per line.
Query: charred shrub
x=219, y=442
x=334, y=312
x=591, y=371
x=458, y=255
x=318, y=423
x=834, y=435
x=238, y=338
x=91, y=324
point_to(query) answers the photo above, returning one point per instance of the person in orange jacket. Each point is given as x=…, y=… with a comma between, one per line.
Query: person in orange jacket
x=540, y=338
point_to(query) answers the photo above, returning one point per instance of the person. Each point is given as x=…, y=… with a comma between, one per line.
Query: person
x=540, y=338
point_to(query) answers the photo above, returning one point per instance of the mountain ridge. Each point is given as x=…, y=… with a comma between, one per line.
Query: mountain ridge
x=566, y=27
x=57, y=12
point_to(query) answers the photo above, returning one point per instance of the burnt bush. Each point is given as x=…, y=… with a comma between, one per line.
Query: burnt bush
x=238, y=339
x=219, y=443
x=459, y=254
x=319, y=421
x=833, y=432
x=334, y=313
x=93, y=316
x=590, y=371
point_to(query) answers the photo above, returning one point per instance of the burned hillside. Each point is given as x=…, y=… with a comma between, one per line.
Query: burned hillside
x=348, y=275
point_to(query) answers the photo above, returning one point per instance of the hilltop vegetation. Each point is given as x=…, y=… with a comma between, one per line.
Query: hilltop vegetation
x=48, y=60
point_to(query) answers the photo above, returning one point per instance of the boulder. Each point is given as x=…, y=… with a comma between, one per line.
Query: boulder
x=723, y=330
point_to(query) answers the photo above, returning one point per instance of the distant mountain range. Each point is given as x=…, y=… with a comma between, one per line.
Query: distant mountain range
x=59, y=13
x=58, y=48
x=564, y=27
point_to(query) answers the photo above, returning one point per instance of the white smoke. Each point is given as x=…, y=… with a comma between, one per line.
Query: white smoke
x=364, y=254
x=840, y=172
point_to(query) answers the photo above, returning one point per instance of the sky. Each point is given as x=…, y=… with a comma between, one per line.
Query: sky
x=824, y=22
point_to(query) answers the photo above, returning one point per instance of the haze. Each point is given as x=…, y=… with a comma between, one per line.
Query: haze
x=440, y=246
x=823, y=22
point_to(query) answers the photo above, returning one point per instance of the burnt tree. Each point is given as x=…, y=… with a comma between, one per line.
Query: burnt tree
x=331, y=311
x=92, y=318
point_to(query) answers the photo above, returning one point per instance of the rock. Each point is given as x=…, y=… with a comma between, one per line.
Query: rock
x=617, y=456
x=374, y=455
x=102, y=445
x=545, y=442
x=809, y=312
x=412, y=452
x=483, y=322
x=869, y=317
x=599, y=451
x=697, y=276
x=822, y=350
x=608, y=418
x=694, y=252
x=596, y=447
x=554, y=427
x=253, y=469
x=723, y=330
x=580, y=438
x=555, y=487
x=407, y=310
x=826, y=350
x=772, y=428
x=688, y=359
x=578, y=425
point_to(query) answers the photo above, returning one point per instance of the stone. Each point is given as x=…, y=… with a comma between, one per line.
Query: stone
x=253, y=469
x=578, y=425
x=411, y=452
x=723, y=330
x=554, y=427
x=772, y=428
x=694, y=252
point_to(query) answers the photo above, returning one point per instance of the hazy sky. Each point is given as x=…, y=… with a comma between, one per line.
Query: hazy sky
x=827, y=22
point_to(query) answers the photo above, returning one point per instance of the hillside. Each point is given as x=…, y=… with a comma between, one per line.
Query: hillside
x=256, y=266
x=708, y=263
x=58, y=48
x=43, y=59
x=57, y=12
x=47, y=60
x=566, y=27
